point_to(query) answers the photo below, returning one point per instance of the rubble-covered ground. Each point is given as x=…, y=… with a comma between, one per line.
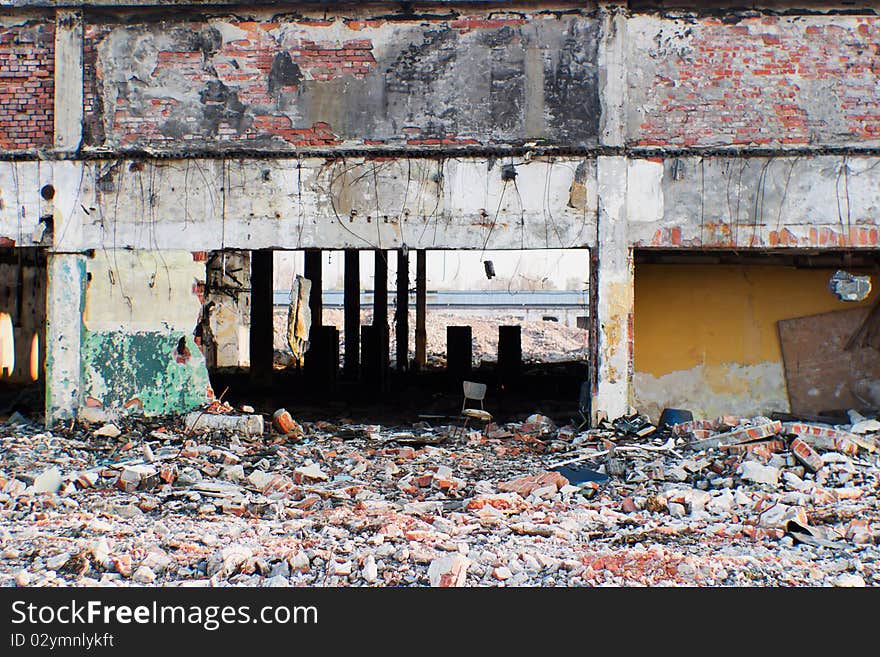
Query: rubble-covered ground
x=219, y=500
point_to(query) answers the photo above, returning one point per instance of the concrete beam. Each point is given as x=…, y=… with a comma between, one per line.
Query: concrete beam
x=64, y=310
x=68, y=81
x=615, y=292
x=313, y=203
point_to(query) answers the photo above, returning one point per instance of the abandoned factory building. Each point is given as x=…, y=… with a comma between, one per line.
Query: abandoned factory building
x=711, y=169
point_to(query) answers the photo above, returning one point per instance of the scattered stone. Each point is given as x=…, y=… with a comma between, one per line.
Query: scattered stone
x=849, y=580
x=503, y=573
x=759, y=474
x=49, y=481
x=144, y=575
x=370, y=571
x=107, y=431
x=448, y=571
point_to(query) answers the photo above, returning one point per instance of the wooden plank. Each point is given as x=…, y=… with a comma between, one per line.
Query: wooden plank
x=821, y=375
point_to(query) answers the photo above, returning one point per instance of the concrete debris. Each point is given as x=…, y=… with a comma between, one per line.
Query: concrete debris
x=448, y=571
x=201, y=422
x=730, y=501
x=48, y=482
x=849, y=580
x=107, y=431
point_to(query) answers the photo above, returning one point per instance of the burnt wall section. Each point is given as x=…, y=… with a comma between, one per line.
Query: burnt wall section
x=272, y=82
x=756, y=81
x=27, y=83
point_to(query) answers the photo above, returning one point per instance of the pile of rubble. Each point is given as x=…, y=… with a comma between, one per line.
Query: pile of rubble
x=219, y=498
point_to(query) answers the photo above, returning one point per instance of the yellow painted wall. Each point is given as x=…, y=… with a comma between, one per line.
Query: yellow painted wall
x=690, y=315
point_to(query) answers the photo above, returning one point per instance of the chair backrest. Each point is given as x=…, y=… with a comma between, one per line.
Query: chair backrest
x=473, y=390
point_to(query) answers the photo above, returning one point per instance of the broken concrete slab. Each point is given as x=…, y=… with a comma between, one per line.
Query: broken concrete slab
x=200, y=422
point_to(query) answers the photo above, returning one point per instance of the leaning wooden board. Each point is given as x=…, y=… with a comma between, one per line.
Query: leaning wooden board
x=819, y=373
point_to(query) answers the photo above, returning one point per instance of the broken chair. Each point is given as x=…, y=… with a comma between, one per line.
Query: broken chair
x=475, y=392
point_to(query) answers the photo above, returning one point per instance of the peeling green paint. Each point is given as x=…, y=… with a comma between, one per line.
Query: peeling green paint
x=141, y=370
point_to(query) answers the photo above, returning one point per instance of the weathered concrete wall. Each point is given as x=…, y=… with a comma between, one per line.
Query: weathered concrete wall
x=367, y=78
x=706, y=337
x=816, y=201
x=776, y=81
x=138, y=351
x=26, y=81
x=353, y=203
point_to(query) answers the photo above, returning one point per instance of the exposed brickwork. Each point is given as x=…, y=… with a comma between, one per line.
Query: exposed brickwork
x=762, y=81
x=255, y=79
x=93, y=107
x=724, y=235
x=27, y=83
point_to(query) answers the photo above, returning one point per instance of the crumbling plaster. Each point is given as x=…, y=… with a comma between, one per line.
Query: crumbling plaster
x=138, y=350
x=265, y=81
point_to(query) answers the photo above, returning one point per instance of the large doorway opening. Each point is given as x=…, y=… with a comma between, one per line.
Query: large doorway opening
x=23, y=277
x=380, y=333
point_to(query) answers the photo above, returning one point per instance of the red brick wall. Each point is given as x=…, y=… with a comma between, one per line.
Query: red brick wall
x=253, y=55
x=762, y=81
x=27, y=83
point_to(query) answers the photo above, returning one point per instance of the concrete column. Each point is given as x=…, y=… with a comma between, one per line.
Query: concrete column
x=380, y=294
x=262, y=335
x=352, y=302
x=509, y=353
x=65, y=302
x=402, y=312
x=614, y=290
x=313, y=271
x=421, y=308
x=612, y=73
x=68, y=81
x=380, y=305
x=459, y=353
